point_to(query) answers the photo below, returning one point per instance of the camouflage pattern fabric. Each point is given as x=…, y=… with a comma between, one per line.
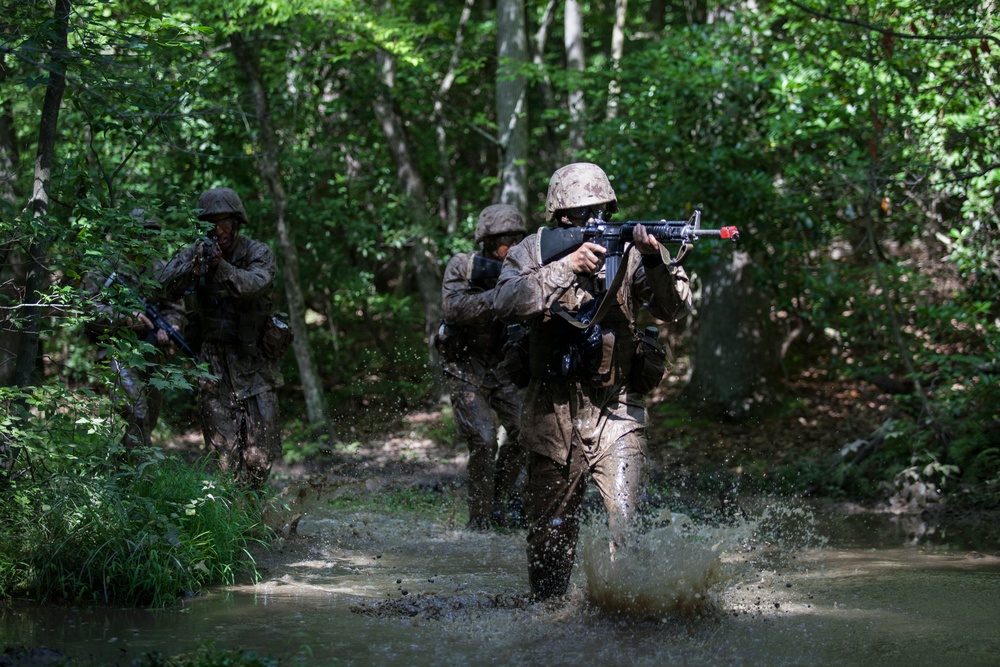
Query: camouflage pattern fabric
x=137, y=401
x=239, y=410
x=499, y=219
x=576, y=185
x=481, y=402
x=221, y=200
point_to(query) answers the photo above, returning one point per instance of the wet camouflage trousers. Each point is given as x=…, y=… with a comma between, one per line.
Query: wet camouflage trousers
x=493, y=470
x=554, y=495
x=242, y=433
x=138, y=402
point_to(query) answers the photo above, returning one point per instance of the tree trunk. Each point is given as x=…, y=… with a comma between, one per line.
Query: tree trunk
x=8, y=149
x=512, y=102
x=575, y=63
x=249, y=60
x=697, y=11
x=27, y=354
x=425, y=264
x=617, y=50
x=440, y=133
x=736, y=362
x=656, y=15
x=544, y=82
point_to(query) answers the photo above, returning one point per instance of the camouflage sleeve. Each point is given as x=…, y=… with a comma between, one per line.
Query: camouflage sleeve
x=172, y=310
x=526, y=289
x=178, y=275
x=106, y=316
x=255, y=277
x=461, y=304
x=665, y=288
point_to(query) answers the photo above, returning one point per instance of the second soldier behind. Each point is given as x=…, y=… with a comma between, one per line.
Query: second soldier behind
x=471, y=343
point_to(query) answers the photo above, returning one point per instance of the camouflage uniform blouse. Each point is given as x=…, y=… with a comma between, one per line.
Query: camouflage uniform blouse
x=476, y=333
x=556, y=408
x=233, y=303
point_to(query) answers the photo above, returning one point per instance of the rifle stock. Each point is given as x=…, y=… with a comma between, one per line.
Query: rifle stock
x=484, y=268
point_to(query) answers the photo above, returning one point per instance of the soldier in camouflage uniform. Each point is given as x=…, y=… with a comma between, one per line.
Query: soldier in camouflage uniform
x=584, y=424
x=138, y=401
x=232, y=283
x=470, y=343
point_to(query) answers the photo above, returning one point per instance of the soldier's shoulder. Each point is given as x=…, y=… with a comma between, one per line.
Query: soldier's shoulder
x=528, y=246
x=256, y=248
x=459, y=259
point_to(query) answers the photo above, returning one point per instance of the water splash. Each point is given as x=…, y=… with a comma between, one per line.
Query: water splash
x=668, y=570
x=681, y=566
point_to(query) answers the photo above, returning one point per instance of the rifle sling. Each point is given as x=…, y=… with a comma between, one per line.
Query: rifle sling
x=609, y=297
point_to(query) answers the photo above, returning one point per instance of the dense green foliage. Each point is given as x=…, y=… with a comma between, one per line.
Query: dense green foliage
x=853, y=143
x=83, y=522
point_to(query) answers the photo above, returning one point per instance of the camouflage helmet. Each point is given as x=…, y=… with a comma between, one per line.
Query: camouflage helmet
x=499, y=219
x=579, y=184
x=221, y=200
x=146, y=219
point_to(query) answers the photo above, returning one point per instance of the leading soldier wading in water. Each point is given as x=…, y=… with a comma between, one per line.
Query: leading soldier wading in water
x=584, y=410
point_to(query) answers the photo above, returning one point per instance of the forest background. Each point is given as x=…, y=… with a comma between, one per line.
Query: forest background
x=853, y=143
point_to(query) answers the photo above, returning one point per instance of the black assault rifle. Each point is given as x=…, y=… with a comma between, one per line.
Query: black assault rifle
x=154, y=316
x=484, y=269
x=557, y=243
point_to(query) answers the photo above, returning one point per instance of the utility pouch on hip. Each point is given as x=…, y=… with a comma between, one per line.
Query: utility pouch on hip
x=449, y=343
x=276, y=337
x=604, y=373
x=650, y=362
x=515, y=365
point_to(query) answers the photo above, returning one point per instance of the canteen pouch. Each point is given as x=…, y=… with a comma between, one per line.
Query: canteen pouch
x=276, y=338
x=649, y=363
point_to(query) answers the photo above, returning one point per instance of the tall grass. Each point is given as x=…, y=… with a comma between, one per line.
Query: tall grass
x=141, y=534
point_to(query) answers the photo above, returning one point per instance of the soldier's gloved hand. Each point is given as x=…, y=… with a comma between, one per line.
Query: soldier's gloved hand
x=213, y=255
x=645, y=242
x=139, y=322
x=588, y=258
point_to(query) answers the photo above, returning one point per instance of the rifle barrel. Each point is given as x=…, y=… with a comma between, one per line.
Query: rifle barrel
x=677, y=230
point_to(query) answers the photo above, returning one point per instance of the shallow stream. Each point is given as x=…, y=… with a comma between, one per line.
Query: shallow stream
x=786, y=586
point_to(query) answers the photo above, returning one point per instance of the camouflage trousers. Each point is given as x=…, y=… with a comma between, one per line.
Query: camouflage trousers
x=242, y=433
x=493, y=470
x=139, y=404
x=554, y=495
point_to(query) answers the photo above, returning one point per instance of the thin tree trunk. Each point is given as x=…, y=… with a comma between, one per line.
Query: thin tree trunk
x=512, y=102
x=425, y=264
x=697, y=11
x=656, y=14
x=249, y=60
x=27, y=354
x=617, y=49
x=441, y=135
x=576, y=64
x=538, y=60
x=8, y=147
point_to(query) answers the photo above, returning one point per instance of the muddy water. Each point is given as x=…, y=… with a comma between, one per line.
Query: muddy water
x=782, y=587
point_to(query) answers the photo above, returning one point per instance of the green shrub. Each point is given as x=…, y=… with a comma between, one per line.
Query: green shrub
x=144, y=536
x=80, y=521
